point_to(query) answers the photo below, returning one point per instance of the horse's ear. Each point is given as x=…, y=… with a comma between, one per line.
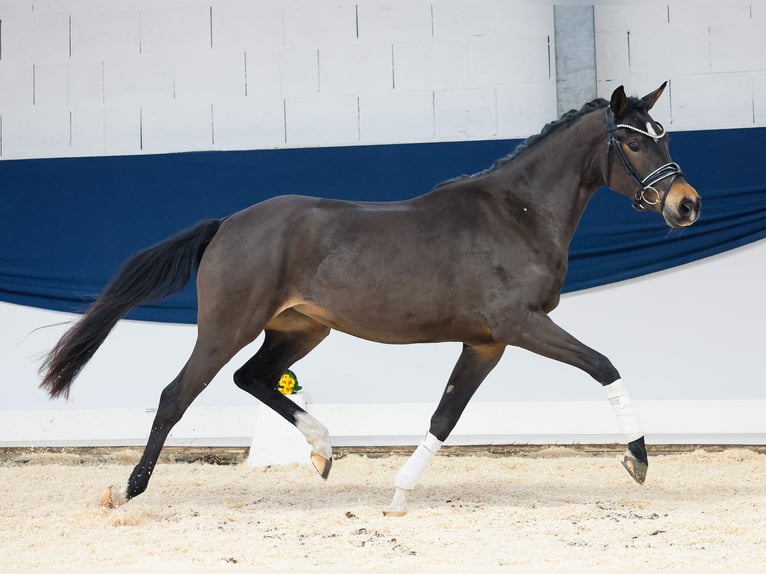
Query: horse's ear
x=618, y=101
x=651, y=98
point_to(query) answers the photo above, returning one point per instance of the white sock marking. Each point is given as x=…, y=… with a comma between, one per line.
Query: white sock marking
x=316, y=434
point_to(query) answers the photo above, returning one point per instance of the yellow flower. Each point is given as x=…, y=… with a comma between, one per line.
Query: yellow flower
x=286, y=384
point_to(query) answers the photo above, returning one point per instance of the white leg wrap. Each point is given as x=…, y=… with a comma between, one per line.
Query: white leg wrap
x=410, y=473
x=623, y=410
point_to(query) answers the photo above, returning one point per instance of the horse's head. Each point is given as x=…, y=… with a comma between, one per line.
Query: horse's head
x=638, y=162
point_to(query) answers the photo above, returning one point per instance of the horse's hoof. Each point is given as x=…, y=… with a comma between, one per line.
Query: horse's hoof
x=112, y=497
x=322, y=464
x=398, y=506
x=635, y=467
x=394, y=512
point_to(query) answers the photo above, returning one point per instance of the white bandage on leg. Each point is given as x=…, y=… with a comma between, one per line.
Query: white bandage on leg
x=410, y=473
x=623, y=410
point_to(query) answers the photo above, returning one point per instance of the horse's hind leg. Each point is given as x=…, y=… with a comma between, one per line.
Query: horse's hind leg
x=474, y=365
x=289, y=337
x=201, y=367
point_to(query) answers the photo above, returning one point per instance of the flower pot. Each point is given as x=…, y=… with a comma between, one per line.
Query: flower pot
x=276, y=441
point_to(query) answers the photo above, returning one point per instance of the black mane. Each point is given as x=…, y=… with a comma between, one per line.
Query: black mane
x=567, y=118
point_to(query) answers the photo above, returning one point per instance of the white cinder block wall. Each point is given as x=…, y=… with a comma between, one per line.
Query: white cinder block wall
x=712, y=54
x=94, y=78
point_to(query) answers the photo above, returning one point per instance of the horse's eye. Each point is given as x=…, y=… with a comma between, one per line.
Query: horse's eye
x=633, y=146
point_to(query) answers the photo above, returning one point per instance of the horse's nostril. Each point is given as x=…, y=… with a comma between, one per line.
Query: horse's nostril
x=687, y=207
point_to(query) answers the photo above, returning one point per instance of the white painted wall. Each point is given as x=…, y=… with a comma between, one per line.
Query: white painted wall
x=81, y=77
x=711, y=53
x=94, y=78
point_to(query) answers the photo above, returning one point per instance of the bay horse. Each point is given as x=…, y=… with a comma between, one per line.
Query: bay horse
x=488, y=253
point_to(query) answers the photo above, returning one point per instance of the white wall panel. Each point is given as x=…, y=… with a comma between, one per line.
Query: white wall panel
x=758, y=10
x=612, y=55
x=243, y=25
x=210, y=76
x=44, y=132
x=122, y=129
x=759, y=98
x=502, y=61
x=431, y=65
x=79, y=6
x=322, y=120
x=255, y=121
x=28, y=37
x=395, y=20
x=713, y=101
x=15, y=84
x=738, y=48
x=299, y=73
x=85, y=82
x=73, y=82
x=658, y=51
x=356, y=68
x=465, y=114
x=50, y=83
x=523, y=19
x=98, y=35
x=88, y=137
x=9, y=7
x=625, y=16
x=165, y=125
x=456, y=19
x=288, y=71
x=705, y=13
x=391, y=424
x=311, y=22
x=160, y=53
x=264, y=71
x=711, y=53
x=523, y=110
x=182, y=31
x=139, y=80
x=396, y=115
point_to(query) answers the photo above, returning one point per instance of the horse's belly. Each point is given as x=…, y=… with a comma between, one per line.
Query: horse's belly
x=398, y=327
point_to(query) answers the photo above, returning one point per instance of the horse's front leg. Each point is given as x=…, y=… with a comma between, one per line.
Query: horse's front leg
x=542, y=336
x=473, y=366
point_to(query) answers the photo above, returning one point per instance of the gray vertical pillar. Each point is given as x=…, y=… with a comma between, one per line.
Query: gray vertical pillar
x=575, y=41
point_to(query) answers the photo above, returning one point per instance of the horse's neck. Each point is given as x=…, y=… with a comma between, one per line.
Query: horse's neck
x=558, y=175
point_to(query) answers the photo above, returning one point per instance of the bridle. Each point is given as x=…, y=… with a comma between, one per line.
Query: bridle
x=672, y=169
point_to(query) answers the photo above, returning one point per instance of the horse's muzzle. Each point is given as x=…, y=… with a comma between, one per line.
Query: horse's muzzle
x=681, y=205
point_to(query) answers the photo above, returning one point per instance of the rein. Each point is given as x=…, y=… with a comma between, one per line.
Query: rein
x=672, y=169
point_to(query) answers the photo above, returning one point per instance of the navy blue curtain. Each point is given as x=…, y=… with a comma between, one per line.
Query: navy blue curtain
x=67, y=224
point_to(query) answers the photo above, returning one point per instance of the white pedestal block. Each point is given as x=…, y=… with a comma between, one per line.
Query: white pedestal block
x=276, y=441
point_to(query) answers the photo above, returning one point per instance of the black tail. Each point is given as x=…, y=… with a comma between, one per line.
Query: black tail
x=149, y=275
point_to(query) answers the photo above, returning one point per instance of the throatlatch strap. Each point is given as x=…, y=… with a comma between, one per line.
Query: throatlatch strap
x=409, y=475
